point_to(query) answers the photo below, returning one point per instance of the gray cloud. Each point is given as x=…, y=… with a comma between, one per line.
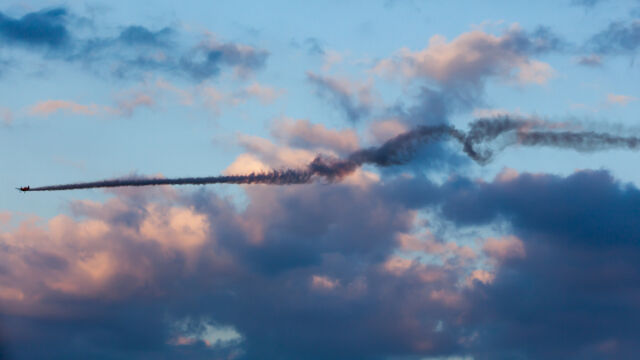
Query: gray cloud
x=134, y=50
x=353, y=99
x=45, y=28
x=205, y=60
x=619, y=38
x=136, y=35
x=581, y=259
x=308, y=272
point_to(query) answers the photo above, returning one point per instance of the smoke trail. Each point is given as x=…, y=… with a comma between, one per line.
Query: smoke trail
x=276, y=177
x=580, y=141
x=399, y=150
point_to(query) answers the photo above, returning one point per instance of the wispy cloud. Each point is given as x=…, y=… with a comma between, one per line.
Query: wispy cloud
x=6, y=116
x=48, y=107
x=132, y=51
x=618, y=99
x=354, y=99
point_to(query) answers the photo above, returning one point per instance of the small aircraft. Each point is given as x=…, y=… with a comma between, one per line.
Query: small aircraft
x=24, y=188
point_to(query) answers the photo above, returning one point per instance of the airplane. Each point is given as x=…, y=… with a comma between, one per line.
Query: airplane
x=24, y=188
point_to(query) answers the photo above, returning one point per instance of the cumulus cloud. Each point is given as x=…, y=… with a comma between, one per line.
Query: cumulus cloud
x=167, y=273
x=469, y=59
x=505, y=248
x=157, y=263
x=274, y=155
x=581, y=258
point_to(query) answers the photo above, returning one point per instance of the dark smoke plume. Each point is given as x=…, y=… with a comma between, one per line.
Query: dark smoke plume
x=580, y=141
x=400, y=150
x=275, y=177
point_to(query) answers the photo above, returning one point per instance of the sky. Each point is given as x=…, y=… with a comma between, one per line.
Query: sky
x=428, y=255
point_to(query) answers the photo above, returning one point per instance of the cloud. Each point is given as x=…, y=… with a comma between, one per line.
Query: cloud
x=273, y=155
x=126, y=104
x=44, y=28
x=314, y=46
x=128, y=264
x=152, y=94
x=167, y=273
x=581, y=258
x=331, y=58
x=136, y=35
x=265, y=94
x=216, y=99
x=304, y=134
x=206, y=59
x=618, y=99
x=619, y=38
x=6, y=116
x=592, y=60
x=48, y=107
x=505, y=248
x=469, y=59
x=133, y=51
x=355, y=100
x=383, y=130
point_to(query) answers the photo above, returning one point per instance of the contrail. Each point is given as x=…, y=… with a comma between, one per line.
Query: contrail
x=399, y=150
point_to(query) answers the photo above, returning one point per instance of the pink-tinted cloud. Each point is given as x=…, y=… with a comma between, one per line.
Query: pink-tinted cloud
x=170, y=252
x=323, y=283
x=384, y=130
x=263, y=93
x=48, y=107
x=303, y=133
x=264, y=155
x=619, y=99
x=6, y=116
x=129, y=101
x=480, y=275
x=131, y=269
x=470, y=58
x=274, y=155
x=505, y=248
x=217, y=99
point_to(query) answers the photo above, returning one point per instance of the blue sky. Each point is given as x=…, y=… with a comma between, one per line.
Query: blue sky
x=176, y=140
x=97, y=90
